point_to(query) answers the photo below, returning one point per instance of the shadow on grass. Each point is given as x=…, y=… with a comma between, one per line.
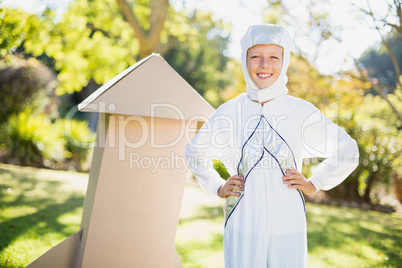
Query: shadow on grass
x=352, y=231
x=27, y=183
x=194, y=251
x=206, y=246
x=13, y=228
x=37, y=203
x=205, y=213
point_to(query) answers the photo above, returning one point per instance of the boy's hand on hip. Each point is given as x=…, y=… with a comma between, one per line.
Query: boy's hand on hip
x=232, y=184
x=295, y=180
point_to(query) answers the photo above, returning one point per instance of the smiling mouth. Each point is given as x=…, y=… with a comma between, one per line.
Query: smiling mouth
x=264, y=75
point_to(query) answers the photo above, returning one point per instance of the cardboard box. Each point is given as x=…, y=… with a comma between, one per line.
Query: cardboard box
x=147, y=114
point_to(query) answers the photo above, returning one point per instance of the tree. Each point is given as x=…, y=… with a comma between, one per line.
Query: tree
x=91, y=40
x=23, y=83
x=379, y=146
x=321, y=30
x=148, y=34
x=95, y=40
x=16, y=26
x=200, y=58
x=379, y=65
x=391, y=22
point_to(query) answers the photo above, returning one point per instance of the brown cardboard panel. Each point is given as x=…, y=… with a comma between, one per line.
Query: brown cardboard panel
x=60, y=256
x=137, y=177
x=152, y=88
x=103, y=123
x=175, y=261
x=138, y=197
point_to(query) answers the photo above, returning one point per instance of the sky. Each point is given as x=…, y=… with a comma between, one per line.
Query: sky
x=331, y=58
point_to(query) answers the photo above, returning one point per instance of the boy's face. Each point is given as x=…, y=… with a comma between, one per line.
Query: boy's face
x=264, y=64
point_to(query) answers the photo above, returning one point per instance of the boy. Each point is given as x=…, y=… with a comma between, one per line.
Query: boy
x=262, y=137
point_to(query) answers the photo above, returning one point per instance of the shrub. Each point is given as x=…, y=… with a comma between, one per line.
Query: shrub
x=79, y=140
x=31, y=139
x=24, y=83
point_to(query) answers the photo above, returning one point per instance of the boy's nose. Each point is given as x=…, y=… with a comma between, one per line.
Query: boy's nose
x=264, y=63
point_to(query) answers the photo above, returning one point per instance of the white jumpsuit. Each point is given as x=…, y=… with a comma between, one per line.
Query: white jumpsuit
x=266, y=225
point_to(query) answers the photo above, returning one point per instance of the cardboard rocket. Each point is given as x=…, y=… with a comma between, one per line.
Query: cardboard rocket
x=131, y=210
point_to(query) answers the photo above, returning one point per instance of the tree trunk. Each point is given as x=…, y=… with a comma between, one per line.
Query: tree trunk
x=371, y=180
x=150, y=39
x=397, y=183
x=347, y=190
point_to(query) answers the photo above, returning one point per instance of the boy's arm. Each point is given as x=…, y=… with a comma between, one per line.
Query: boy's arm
x=204, y=147
x=200, y=166
x=322, y=138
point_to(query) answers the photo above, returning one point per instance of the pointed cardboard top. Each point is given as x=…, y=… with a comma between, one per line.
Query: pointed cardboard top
x=151, y=87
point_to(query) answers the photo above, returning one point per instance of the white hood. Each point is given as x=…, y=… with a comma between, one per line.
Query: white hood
x=266, y=34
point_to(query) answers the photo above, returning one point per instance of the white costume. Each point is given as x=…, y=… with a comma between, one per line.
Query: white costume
x=266, y=226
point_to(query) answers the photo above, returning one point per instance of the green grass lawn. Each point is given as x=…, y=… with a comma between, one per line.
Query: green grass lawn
x=40, y=208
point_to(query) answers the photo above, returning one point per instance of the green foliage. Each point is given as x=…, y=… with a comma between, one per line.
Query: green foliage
x=79, y=140
x=368, y=119
x=379, y=141
x=276, y=13
x=24, y=32
x=237, y=84
x=31, y=139
x=91, y=40
x=16, y=26
x=379, y=136
x=199, y=55
x=24, y=83
x=306, y=82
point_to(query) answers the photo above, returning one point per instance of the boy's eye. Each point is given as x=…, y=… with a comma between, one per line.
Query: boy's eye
x=274, y=57
x=255, y=57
